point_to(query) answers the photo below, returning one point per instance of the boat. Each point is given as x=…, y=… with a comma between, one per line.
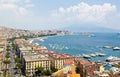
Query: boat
x=79, y=56
x=36, y=44
x=107, y=46
x=86, y=56
x=42, y=40
x=116, y=48
x=112, y=58
x=91, y=35
x=92, y=55
x=101, y=54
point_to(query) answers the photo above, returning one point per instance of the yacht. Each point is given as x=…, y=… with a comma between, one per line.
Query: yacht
x=92, y=55
x=101, y=54
x=86, y=56
x=112, y=58
x=116, y=48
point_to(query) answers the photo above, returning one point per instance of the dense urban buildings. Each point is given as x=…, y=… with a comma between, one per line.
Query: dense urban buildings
x=32, y=60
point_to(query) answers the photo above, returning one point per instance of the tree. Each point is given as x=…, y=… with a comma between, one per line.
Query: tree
x=53, y=69
x=17, y=60
x=46, y=72
x=8, y=48
x=118, y=65
x=7, y=55
x=38, y=71
x=19, y=65
x=6, y=62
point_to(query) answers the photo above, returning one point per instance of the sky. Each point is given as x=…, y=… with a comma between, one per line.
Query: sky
x=59, y=14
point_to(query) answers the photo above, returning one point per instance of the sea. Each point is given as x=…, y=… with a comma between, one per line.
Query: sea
x=78, y=44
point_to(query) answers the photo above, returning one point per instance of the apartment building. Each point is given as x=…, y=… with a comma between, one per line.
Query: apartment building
x=34, y=61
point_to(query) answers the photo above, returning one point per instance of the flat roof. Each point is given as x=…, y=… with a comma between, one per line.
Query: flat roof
x=36, y=57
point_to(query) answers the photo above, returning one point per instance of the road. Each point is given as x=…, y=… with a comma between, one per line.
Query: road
x=11, y=66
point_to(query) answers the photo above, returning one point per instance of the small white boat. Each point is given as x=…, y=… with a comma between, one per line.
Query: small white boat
x=92, y=55
x=116, y=48
x=41, y=40
x=86, y=56
x=107, y=46
x=112, y=58
x=101, y=54
x=36, y=44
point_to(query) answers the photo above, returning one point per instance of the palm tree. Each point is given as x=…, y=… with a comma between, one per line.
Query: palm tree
x=8, y=48
x=19, y=65
x=38, y=71
x=7, y=55
x=118, y=65
x=17, y=60
x=6, y=62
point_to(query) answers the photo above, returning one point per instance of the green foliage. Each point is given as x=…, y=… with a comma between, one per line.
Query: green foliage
x=46, y=72
x=31, y=36
x=118, y=65
x=19, y=65
x=39, y=68
x=7, y=55
x=8, y=48
x=53, y=69
x=38, y=71
x=13, y=46
x=6, y=61
x=17, y=60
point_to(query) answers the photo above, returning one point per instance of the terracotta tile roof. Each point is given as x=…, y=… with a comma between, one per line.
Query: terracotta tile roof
x=2, y=38
x=68, y=62
x=20, y=40
x=1, y=53
x=84, y=62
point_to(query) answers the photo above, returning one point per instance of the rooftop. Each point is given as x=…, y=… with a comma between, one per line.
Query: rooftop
x=36, y=57
x=84, y=62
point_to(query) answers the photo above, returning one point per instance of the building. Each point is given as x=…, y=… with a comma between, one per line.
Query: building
x=86, y=68
x=1, y=63
x=33, y=61
x=59, y=59
x=38, y=56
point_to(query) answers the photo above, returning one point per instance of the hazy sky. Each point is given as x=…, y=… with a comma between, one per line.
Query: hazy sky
x=52, y=14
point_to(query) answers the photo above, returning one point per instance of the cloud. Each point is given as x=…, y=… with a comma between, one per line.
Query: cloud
x=9, y=1
x=30, y=5
x=16, y=7
x=27, y=1
x=22, y=11
x=8, y=6
x=84, y=12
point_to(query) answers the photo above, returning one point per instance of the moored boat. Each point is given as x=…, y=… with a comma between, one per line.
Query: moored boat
x=112, y=58
x=93, y=55
x=86, y=56
x=116, y=48
x=107, y=46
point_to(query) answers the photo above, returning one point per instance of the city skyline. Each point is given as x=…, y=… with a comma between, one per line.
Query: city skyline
x=59, y=14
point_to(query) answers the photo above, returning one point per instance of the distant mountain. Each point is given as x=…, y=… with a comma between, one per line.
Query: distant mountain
x=78, y=28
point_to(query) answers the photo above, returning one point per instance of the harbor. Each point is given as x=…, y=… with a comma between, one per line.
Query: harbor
x=83, y=46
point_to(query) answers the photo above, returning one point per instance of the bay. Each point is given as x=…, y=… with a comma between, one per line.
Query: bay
x=78, y=44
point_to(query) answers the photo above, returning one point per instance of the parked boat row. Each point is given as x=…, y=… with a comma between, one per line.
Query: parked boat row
x=91, y=55
x=56, y=46
x=112, y=47
x=112, y=58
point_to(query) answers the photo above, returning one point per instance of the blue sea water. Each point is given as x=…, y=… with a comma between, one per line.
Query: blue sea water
x=78, y=44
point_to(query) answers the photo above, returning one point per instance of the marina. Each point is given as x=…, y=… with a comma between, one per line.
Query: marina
x=97, y=49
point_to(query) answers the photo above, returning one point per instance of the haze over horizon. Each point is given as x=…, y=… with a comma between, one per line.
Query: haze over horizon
x=60, y=14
